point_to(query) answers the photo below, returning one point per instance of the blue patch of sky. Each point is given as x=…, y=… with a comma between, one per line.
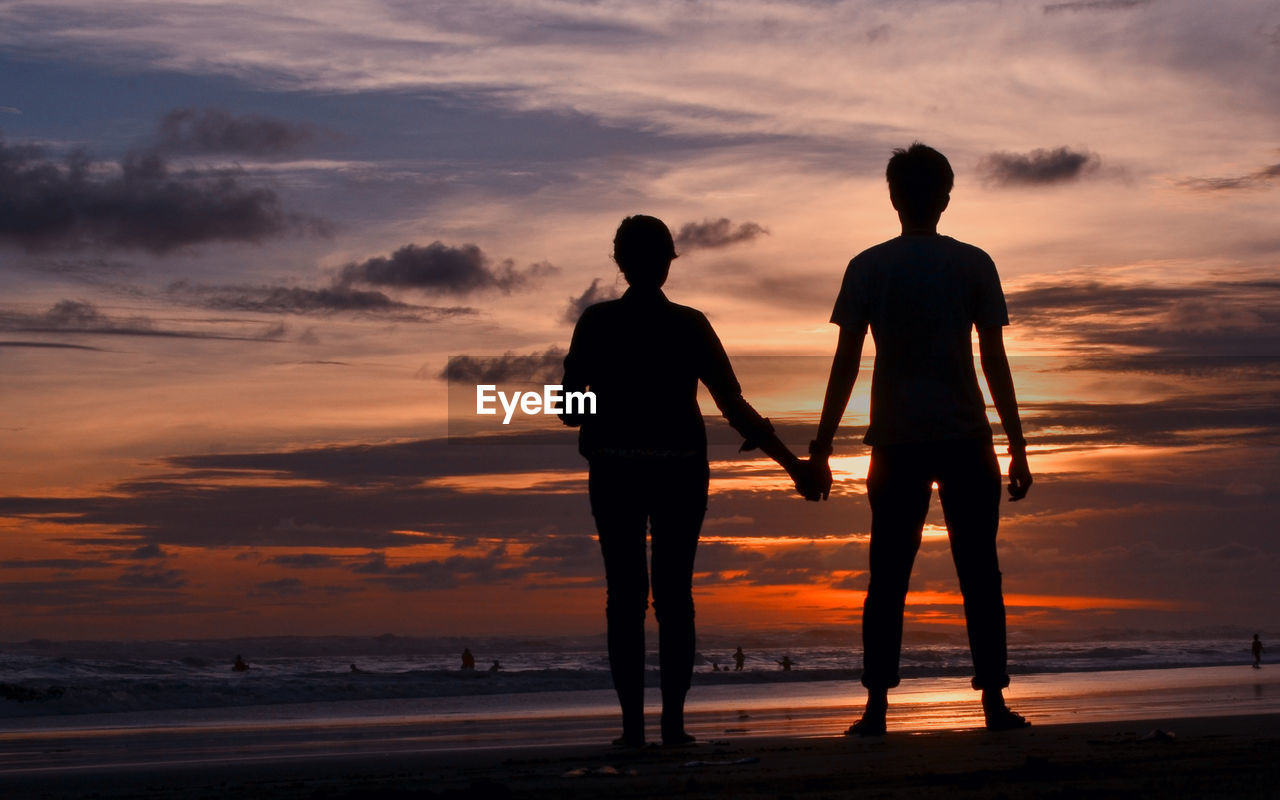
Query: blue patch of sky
x=110, y=110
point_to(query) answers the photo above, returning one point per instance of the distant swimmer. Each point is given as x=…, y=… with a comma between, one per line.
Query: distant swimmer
x=715, y=667
x=354, y=668
x=240, y=665
x=468, y=660
x=786, y=663
x=496, y=666
x=1257, y=652
x=739, y=658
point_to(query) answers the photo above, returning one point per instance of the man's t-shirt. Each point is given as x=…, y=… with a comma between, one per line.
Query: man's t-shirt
x=922, y=295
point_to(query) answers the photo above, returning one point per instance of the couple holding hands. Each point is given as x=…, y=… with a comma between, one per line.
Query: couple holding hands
x=920, y=294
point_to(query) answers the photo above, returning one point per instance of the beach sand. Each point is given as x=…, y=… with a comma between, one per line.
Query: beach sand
x=1201, y=732
x=1236, y=757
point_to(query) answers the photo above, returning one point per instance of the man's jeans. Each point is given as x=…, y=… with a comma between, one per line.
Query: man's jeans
x=899, y=486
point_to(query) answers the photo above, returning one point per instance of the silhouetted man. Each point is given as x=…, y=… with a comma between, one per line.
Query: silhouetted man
x=468, y=660
x=1257, y=652
x=739, y=658
x=921, y=294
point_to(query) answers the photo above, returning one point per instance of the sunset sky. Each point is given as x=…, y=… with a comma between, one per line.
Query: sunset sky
x=239, y=243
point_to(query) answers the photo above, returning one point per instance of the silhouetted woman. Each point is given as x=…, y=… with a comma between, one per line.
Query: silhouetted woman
x=643, y=356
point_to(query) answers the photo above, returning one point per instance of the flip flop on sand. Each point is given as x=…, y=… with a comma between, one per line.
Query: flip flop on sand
x=866, y=727
x=1005, y=719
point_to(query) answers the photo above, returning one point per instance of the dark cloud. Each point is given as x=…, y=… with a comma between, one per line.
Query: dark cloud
x=194, y=513
x=1040, y=167
x=361, y=496
x=371, y=492
x=1047, y=301
x=1130, y=323
x=1094, y=5
x=595, y=293
x=375, y=564
x=214, y=130
x=788, y=564
x=372, y=496
x=855, y=582
x=30, y=595
x=78, y=316
x=1224, y=418
x=146, y=552
x=304, y=560
x=375, y=496
x=143, y=578
x=139, y=204
x=1257, y=179
x=93, y=270
x=52, y=344
x=447, y=573
x=284, y=587
x=442, y=268
x=545, y=367
x=878, y=33
x=714, y=233
x=302, y=300
x=565, y=556
x=51, y=563
x=401, y=463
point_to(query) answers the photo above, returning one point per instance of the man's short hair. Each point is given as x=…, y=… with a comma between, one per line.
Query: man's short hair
x=920, y=177
x=642, y=243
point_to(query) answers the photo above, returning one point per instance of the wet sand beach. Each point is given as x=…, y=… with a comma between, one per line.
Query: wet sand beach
x=1210, y=732
x=1198, y=757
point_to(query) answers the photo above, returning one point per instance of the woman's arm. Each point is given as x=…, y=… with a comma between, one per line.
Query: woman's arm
x=576, y=373
x=757, y=431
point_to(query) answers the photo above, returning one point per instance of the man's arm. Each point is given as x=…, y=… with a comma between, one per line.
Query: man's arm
x=844, y=371
x=995, y=366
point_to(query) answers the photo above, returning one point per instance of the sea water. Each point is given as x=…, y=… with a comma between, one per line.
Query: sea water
x=45, y=678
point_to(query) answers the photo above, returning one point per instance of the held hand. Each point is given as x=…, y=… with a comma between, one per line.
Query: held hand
x=812, y=479
x=1019, y=477
x=806, y=482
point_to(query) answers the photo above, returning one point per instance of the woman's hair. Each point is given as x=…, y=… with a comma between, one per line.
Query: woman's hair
x=643, y=249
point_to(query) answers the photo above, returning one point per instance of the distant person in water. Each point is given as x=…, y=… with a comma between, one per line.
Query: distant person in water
x=468, y=660
x=922, y=294
x=739, y=658
x=496, y=666
x=1257, y=652
x=643, y=356
x=786, y=663
x=239, y=665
